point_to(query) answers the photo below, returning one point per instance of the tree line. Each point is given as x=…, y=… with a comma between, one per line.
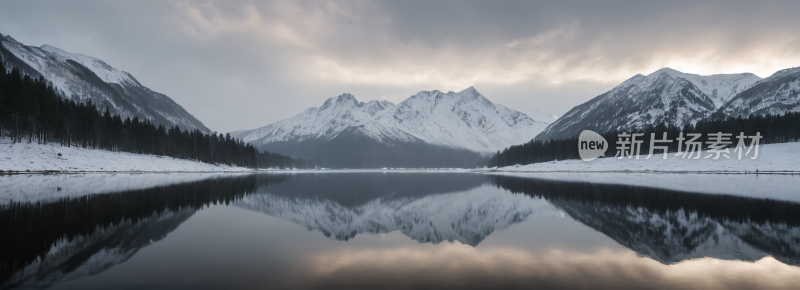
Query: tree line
x=32, y=110
x=773, y=128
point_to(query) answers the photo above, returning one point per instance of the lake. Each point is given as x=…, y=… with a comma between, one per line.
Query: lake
x=399, y=230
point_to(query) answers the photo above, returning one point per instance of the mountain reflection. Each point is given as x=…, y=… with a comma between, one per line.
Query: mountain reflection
x=673, y=226
x=666, y=225
x=429, y=208
x=60, y=239
x=415, y=204
x=48, y=242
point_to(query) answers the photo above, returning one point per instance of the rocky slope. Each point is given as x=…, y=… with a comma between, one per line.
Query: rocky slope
x=665, y=96
x=777, y=94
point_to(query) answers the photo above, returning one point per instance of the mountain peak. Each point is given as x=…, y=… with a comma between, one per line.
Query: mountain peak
x=638, y=102
x=346, y=97
x=719, y=87
x=7, y=37
x=666, y=70
x=471, y=91
x=695, y=77
x=340, y=99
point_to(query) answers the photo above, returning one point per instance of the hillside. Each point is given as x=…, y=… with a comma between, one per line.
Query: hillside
x=665, y=96
x=776, y=95
x=84, y=78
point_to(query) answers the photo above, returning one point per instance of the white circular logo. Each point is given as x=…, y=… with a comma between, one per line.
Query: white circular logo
x=591, y=145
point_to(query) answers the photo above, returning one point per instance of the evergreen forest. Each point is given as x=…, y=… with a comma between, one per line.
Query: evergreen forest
x=32, y=110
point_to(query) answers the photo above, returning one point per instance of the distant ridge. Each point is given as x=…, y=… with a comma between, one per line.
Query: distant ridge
x=453, y=126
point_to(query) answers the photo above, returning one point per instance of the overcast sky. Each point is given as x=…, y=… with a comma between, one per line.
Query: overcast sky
x=245, y=64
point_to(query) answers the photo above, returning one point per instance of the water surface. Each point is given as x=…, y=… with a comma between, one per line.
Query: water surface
x=393, y=230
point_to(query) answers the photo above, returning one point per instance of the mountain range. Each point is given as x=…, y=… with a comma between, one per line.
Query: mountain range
x=382, y=132
x=675, y=98
x=455, y=128
x=430, y=128
x=84, y=78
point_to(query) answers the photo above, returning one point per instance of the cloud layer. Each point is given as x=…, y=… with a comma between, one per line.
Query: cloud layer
x=244, y=64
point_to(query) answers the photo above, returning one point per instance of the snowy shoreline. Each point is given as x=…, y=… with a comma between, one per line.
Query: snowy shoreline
x=782, y=158
x=29, y=158
x=24, y=158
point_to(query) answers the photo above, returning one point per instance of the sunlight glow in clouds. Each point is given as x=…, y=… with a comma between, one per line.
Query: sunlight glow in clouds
x=323, y=45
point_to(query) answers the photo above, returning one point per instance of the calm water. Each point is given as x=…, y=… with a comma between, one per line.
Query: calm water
x=400, y=230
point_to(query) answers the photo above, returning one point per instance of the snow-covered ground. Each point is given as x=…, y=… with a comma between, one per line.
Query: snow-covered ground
x=722, y=176
x=39, y=157
x=49, y=187
x=784, y=158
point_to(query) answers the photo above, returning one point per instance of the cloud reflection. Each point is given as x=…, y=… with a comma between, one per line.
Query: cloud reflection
x=458, y=265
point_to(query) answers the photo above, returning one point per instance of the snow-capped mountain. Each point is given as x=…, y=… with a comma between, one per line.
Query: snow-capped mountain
x=468, y=217
x=720, y=87
x=777, y=94
x=87, y=78
x=665, y=96
x=540, y=116
x=463, y=120
x=334, y=116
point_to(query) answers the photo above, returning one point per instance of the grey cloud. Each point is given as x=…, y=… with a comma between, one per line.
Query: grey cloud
x=244, y=64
